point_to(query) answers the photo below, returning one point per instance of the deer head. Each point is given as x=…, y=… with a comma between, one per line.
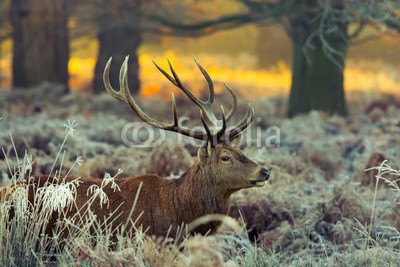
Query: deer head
x=229, y=169
x=225, y=166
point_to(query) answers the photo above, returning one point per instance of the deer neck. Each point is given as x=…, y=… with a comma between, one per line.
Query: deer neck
x=198, y=194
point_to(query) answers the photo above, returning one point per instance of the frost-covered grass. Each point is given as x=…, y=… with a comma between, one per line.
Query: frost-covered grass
x=332, y=200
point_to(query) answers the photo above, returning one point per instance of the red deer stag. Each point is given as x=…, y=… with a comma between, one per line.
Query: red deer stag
x=163, y=204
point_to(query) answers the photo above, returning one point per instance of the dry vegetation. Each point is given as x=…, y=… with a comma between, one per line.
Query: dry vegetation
x=332, y=200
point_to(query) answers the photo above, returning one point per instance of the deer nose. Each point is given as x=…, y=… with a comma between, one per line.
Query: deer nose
x=265, y=174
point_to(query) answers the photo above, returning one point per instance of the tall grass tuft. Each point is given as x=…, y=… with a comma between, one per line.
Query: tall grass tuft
x=23, y=220
x=385, y=171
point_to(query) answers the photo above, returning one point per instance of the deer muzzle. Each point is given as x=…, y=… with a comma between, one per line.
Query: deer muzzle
x=264, y=173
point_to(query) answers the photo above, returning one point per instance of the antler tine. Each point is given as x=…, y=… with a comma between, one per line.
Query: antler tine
x=246, y=121
x=205, y=106
x=181, y=86
x=124, y=88
x=234, y=104
x=174, y=113
x=223, y=128
x=178, y=83
x=107, y=84
x=211, y=87
x=122, y=73
x=132, y=102
x=209, y=135
x=125, y=96
x=175, y=127
x=208, y=79
x=214, y=139
x=171, y=79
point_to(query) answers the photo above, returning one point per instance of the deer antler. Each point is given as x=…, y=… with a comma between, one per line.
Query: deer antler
x=205, y=106
x=125, y=96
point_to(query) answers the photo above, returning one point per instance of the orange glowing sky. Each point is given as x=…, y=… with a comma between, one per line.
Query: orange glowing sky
x=240, y=73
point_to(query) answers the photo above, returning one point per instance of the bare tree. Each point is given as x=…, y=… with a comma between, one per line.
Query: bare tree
x=40, y=41
x=320, y=34
x=117, y=26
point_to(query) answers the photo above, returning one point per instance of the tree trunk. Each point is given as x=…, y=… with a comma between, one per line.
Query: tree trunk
x=317, y=84
x=40, y=42
x=118, y=43
x=317, y=79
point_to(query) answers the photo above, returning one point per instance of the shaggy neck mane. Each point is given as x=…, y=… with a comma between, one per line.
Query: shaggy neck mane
x=197, y=194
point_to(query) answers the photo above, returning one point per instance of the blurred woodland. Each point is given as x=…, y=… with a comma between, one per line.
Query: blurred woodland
x=324, y=74
x=308, y=50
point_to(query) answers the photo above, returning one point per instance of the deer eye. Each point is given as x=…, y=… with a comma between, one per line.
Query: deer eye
x=225, y=158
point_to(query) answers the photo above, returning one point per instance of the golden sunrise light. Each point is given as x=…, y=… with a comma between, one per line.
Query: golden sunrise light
x=366, y=76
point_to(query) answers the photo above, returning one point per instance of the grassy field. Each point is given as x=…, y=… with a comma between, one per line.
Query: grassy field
x=332, y=200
